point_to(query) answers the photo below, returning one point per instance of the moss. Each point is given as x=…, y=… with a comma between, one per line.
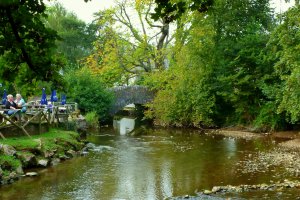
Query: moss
x=53, y=143
x=48, y=140
x=9, y=162
x=21, y=143
x=55, y=140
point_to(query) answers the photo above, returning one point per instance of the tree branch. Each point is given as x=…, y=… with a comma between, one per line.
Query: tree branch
x=19, y=40
x=148, y=21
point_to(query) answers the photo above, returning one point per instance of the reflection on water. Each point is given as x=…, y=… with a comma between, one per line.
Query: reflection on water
x=155, y=165
x=124, y=125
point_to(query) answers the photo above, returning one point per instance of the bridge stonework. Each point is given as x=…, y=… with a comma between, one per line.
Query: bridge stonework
x=134, y=94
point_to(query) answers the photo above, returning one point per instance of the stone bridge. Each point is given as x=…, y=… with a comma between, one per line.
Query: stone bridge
x=134, y=94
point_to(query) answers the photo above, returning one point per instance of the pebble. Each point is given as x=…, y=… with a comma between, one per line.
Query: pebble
x=265, y=187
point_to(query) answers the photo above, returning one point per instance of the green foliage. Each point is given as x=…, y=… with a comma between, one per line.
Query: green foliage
x=129, y=48
x=172, y=10
x=229, y=64
x=89, y=92
x=242, y=33
x=92, y=119
x=25, y=39
x=76, y=37
x=185, y=95
x=9, y=162
x=268, y=119
x=284, y=48
x=27, y=48
x=216, y=68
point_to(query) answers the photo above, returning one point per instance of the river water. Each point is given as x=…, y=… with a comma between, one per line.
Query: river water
x=152, y=164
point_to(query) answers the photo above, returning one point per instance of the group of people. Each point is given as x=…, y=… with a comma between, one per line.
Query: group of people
x=14, y=106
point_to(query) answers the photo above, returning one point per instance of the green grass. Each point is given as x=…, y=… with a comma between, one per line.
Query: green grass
x=9, y=161
x=48, y=140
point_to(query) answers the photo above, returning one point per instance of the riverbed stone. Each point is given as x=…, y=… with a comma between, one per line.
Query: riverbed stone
x=64, y=157
x=31, y=174
x=81, y=125
x=13, y=175
x=8, y=150
x=71, y=153
x=19, y=170
x=90, y=146
x=215, y=189
x=48, y=153
x=28, y=159
x=207, y=192
x=43, y=162
x=55, y=161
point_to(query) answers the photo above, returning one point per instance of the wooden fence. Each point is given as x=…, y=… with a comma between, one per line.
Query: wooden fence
x=36, y=114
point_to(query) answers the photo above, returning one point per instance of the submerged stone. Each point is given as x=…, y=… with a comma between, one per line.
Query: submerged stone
x=55, y=161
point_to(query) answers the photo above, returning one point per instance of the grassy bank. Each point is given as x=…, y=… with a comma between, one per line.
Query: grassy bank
x=17, y=154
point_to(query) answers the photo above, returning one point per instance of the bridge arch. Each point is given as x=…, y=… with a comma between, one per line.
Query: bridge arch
x=134, y=94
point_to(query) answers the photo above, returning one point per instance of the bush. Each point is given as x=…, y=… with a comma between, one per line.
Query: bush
x=92, y=119
x=268, y=119
x=89, y=92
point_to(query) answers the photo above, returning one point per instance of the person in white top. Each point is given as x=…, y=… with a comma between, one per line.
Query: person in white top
x=20, y=103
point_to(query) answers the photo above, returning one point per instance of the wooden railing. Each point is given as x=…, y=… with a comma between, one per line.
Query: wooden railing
x=38, y=114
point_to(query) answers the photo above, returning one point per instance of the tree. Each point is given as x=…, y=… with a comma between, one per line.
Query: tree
x=25, y=39
x=173, y=10
x=184, y=96
x=131, y=40
x=217, y=66
x=89, y=92
x=282, y=86
x=27, y=47
x=76, y=37
x=242, y=31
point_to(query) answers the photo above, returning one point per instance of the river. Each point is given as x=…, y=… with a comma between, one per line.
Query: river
x=152, y=164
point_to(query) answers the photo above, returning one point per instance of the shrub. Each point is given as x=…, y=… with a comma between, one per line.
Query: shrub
x=89, y=92
x=92, y=119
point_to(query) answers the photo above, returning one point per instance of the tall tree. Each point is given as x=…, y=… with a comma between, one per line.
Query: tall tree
x=25, y=39
x=220, y=55
x=242, y=31
x=76, y=37
x=129, y=33
x=282, y=86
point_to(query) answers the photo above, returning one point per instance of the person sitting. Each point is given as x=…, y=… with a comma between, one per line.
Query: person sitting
x=11, y=106
x=20, y=103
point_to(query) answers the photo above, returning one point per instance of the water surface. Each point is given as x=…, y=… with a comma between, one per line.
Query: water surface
x=155, y=164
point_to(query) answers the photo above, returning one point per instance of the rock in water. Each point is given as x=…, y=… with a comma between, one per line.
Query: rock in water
x=43, y=163
x=31, y=174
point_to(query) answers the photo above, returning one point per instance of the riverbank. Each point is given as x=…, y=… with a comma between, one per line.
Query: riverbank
x=285, y=155
x=22, y=153
x=287, y=140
